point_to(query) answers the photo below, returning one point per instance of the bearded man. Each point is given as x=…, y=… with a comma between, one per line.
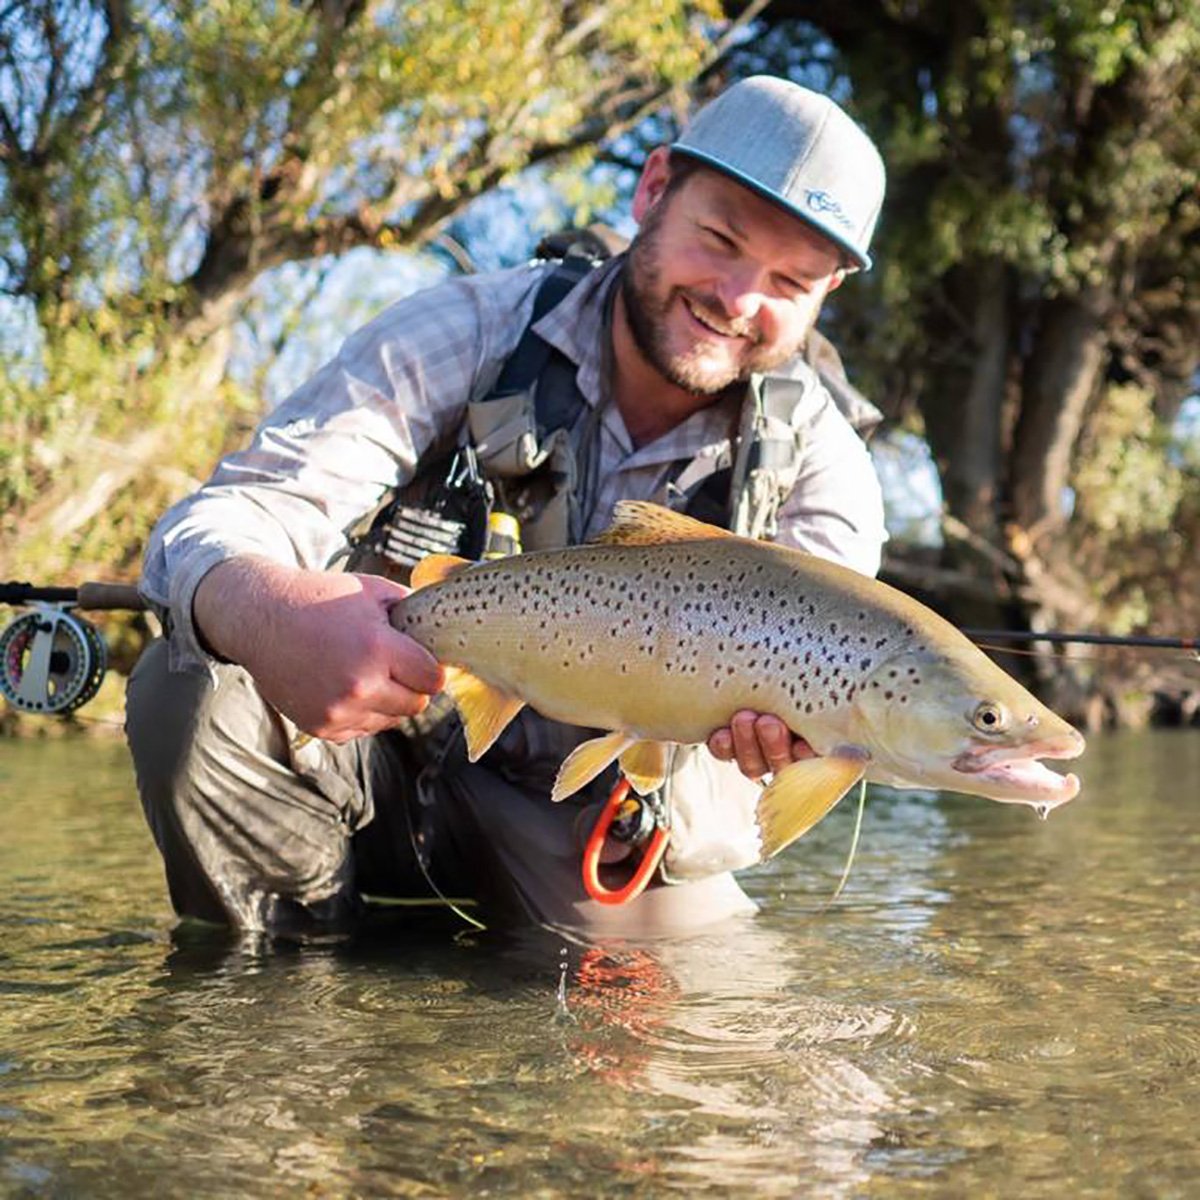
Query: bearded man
x=272, y=727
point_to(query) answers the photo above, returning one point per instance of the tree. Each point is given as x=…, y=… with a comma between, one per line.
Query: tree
x=1036, y=310
x=156, y=159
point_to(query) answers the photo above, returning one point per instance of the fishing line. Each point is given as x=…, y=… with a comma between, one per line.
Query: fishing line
x=862, y=803
x=419, y=855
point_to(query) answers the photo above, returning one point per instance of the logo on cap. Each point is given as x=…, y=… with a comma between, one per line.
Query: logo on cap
x=826, y=205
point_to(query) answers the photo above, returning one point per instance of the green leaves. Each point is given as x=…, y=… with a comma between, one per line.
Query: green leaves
x=155, y=159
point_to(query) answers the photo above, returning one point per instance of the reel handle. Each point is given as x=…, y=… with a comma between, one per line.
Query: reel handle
x=96, y=596
x=111, y=596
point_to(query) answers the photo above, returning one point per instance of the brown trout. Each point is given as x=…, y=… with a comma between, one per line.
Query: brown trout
x=665, y=627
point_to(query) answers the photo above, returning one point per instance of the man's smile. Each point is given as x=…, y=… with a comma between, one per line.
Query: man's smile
x=705, y=317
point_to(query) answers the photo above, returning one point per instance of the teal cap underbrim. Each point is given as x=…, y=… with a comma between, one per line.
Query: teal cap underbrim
x=860, y=257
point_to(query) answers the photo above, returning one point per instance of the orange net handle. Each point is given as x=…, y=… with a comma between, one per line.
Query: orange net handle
x=595, y=843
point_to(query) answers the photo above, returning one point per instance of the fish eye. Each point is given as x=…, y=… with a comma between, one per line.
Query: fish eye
x=990, y=717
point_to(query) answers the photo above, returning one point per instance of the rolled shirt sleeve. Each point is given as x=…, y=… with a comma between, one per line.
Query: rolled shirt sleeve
x=835, y=509
x=325, y=456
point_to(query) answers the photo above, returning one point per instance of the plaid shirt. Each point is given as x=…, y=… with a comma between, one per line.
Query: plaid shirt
x=398, y=387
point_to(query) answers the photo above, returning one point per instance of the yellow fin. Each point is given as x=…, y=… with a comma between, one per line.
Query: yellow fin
x=485, y=710
x=801, y=794
x=645, y=766
x=585, y=762
x=433, y=568
x=640, y=523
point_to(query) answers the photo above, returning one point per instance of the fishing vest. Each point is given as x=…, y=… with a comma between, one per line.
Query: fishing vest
x=520, y=442
x=522, y=433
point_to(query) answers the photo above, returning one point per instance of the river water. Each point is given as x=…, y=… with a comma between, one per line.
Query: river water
x=996, y=1006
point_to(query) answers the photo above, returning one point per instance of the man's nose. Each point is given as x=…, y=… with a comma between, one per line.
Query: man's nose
x=740, y=291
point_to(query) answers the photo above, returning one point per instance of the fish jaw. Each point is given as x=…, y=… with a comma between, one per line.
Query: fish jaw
x=1015, y=774
x=918, y=723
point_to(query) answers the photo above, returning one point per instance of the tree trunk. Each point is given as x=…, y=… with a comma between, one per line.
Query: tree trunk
x=1061, y=377
x=964, y=423
x=964, y=405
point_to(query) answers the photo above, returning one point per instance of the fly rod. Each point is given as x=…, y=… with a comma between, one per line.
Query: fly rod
x=1083, y=639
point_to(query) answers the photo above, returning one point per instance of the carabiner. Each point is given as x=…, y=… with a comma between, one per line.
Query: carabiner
x=595, y=843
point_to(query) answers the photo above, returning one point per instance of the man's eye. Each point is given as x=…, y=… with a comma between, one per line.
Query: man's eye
x=721, y=239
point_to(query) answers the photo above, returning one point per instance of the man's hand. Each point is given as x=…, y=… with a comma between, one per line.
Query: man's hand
x=759, y=743
x=318, y=644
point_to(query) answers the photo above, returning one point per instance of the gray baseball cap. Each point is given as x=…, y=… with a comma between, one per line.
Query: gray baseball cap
x=797, y=148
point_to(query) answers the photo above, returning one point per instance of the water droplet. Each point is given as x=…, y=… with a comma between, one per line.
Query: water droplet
x=1042, y=810
x=563, y=965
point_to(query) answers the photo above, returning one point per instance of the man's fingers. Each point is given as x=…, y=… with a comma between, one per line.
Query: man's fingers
x=395, y=701
x=746, y=747
x=761, y=744
x=414, y=668
x=720, y=744
x=801, y=750
x=774, y=741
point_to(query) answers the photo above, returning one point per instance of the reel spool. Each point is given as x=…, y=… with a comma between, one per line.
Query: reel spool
x=51, y=661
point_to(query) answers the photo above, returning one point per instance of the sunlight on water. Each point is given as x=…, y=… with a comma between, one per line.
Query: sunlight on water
x=994, y=1006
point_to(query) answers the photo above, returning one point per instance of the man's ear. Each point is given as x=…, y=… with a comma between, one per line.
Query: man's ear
x=652, y=182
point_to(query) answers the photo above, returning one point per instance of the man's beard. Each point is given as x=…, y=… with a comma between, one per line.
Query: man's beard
x=647, y=309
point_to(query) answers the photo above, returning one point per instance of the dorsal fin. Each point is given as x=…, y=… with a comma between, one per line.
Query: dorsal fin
x=433, y=568
x=640, y=523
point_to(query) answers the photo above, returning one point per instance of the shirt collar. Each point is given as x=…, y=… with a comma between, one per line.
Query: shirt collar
x=575, y=326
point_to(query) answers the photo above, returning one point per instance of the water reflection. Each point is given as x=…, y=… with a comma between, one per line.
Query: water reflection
x=728, y=1029
x=448, y=1062
x=994, y=1005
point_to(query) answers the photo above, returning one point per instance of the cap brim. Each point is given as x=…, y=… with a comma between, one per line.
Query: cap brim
x=862, y=261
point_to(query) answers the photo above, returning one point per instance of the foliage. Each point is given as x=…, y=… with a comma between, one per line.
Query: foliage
x=1038, y=281
x=157, y=159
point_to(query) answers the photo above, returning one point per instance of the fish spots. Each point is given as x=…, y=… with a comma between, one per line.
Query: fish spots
x=699, y=620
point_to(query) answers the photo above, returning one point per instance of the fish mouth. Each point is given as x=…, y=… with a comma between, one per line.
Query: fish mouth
x=1014, y=774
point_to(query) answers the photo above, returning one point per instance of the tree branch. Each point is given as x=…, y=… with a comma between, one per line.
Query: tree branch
x=45, y=114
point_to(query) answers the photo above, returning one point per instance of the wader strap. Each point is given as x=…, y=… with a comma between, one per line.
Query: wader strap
x=745, y=497
x=770, y=448
x=526, y=363
x=535, y=396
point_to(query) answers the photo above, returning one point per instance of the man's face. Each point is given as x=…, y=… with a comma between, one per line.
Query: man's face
x=721, y=283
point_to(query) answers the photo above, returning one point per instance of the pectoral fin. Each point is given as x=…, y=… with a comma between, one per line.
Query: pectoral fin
x=801, y=794
x=585, y=762
x=485, y=710
x=433, y=568
x=645, y=766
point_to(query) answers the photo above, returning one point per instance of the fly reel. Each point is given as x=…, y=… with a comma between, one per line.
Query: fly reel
x=51, y=661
